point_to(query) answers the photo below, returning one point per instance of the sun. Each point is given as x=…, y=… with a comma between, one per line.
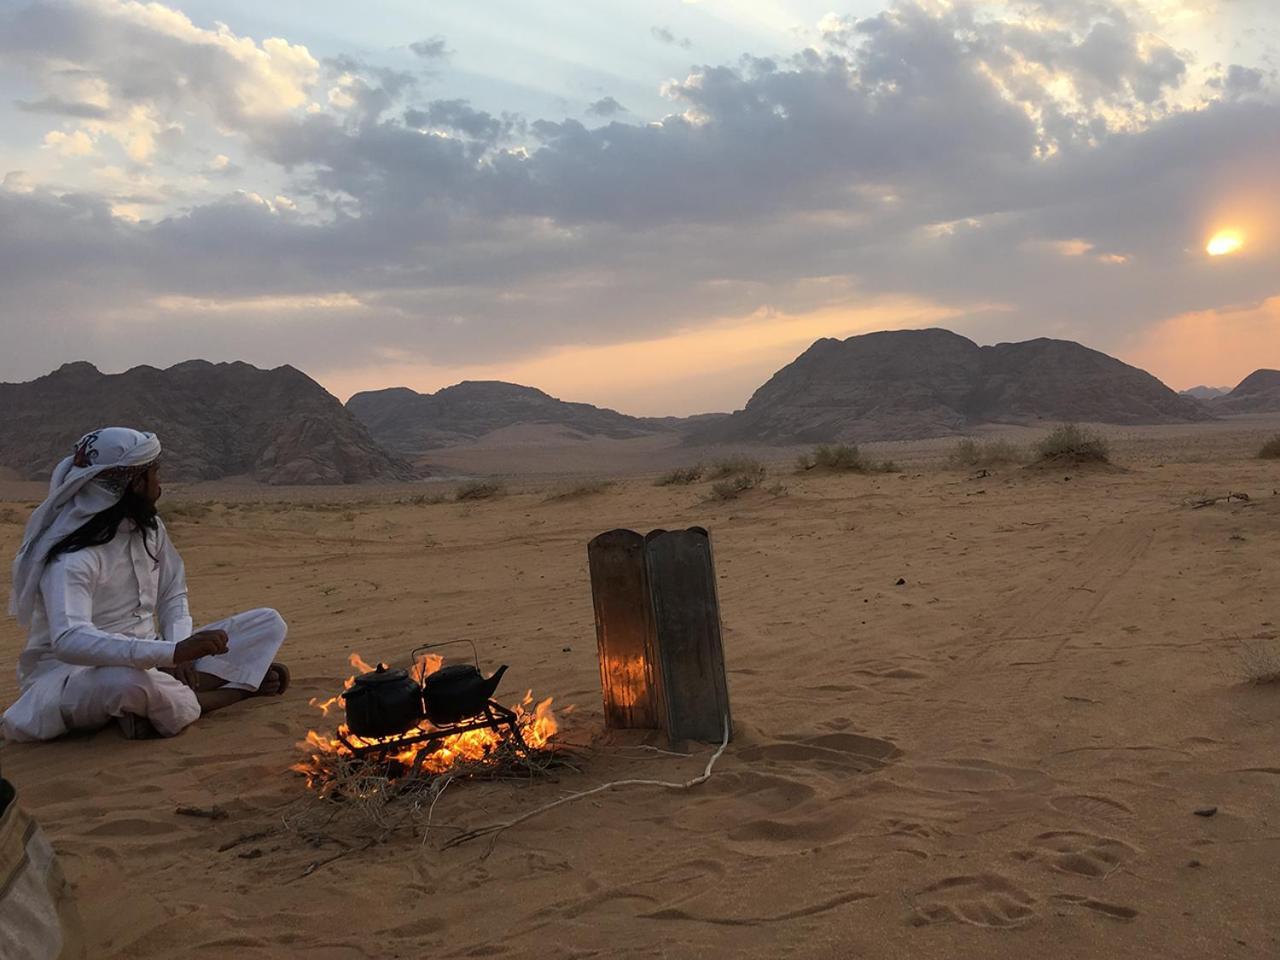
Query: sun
x=1224, y=242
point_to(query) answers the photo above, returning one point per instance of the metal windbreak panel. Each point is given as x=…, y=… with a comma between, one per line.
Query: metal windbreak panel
x=686, y=612
x=624, y=630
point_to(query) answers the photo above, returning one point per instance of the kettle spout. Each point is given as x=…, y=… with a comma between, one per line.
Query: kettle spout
x=491, y=684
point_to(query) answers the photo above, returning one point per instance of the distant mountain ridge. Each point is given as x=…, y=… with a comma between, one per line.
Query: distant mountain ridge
x=1204, y=393
x=215, y=420
x=913, y=384
x=1259, y=392
x=410, y=422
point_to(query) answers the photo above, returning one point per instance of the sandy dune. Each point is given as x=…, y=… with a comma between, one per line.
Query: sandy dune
x=999, y=758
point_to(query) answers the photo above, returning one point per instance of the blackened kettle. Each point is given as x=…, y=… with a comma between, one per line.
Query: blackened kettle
x=458, y=691
x=383, y=703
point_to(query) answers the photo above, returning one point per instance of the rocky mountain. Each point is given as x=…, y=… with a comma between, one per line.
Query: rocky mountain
x=1259, y=392
x=410, y=422
x=215, y=420
x=1204, y=393
x=910, y=384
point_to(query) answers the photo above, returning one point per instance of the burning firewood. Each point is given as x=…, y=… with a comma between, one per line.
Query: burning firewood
x=344, y=765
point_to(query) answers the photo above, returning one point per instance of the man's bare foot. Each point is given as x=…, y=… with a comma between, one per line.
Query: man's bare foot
x=275, y=682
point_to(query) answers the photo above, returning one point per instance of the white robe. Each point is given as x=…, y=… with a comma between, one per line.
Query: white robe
x=109, y=615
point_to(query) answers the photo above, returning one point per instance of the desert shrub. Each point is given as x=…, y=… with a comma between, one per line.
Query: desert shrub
x=1258, y=660
x=1070, y=441
x=681, y=476
x=733, y=487
x=842, y=458
x=425, y=499
x=1271, y=449
x=479, y=490
x=984, y=453
x=585, y=489
x=737, y=467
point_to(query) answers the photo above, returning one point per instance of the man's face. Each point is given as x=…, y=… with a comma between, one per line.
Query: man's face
x=148, y=484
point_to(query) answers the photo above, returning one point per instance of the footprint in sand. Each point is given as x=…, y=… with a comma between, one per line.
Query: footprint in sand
x=913, y=828
x=806, y=910
x=1113, y=910
x=827, y=750
x=968, y=775
x=130, y=827
x=764, y=792
x=1084, y=854
x=983, y=900
x=1093, y=807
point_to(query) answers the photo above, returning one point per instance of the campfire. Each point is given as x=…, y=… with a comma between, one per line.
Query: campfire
x=467, y=738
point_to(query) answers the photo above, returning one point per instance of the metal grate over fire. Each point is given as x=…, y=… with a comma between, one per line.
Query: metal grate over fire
x=431, y=719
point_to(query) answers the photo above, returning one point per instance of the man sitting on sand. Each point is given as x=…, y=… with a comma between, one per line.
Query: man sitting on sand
x=95, y=576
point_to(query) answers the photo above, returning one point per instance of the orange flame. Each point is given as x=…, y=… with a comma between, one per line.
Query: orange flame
x=536, y=722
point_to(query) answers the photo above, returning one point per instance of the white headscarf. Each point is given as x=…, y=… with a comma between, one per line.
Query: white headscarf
x=89, y=481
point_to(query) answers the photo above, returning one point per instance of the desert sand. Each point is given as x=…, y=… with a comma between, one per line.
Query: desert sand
x=1000, y=757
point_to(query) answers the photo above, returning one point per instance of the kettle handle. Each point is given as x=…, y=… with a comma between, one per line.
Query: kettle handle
x=475, y=656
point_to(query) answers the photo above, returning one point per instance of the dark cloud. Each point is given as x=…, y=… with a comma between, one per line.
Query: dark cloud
x=372, y=90
x=459, y=117
x=606, y=107
x=664, y=35
x=1239, y=81
x=433, y=48
x=66, y=108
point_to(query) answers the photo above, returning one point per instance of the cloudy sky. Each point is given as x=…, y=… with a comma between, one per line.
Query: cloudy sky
x=646, y=204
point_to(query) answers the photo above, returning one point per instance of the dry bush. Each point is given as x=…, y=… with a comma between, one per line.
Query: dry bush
x=984, y=453
x=1074, y=443
x=1271, y=449
x=425, y=499
x=737, y=467
x=479, y=490
x=1258, y=660
x=840, y=457
x=9, y=515
x=585, y=489
x=733, y=487
x=681, y=476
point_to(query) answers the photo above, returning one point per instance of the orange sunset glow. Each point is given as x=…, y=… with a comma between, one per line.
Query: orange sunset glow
x=1225, y=242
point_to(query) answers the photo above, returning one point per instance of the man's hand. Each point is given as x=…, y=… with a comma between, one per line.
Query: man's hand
x=206, y=643
x=185, y=672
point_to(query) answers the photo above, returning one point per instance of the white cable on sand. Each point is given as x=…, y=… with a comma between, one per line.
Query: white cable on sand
x=492, y=830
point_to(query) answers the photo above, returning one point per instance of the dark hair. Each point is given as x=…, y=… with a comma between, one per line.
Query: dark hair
x=101, y=527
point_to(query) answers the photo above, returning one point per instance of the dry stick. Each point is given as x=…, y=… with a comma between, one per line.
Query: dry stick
x=314, y=866
x=493, y=829
x=426, y=832
x=1210, y=501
